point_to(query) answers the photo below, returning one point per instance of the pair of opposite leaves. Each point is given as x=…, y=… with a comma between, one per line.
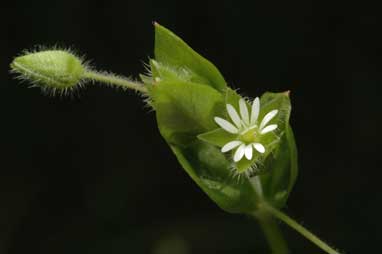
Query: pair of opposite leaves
x=187, y=92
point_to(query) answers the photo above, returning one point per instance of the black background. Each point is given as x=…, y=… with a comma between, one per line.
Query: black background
x=91, y=174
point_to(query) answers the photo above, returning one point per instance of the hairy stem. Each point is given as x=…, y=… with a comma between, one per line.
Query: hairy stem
x=303, y=231
x=115, y=80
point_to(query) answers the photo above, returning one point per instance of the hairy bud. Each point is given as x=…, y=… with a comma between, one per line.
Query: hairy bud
x=50, y=69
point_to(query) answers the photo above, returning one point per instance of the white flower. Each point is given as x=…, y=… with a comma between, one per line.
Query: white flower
x=247, y=129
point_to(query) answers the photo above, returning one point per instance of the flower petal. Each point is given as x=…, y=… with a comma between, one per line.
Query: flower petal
x=227, y=126
x=244, y=111
x=255, y=110
x=259, y=147
x=231, y=145
x=239, y=153
x=269, y=128
x=234, y=115
x=248, y=152
x=267, y=118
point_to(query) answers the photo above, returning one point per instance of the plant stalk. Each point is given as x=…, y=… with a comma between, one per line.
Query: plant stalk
x=269, y=226
x=273, y=234
x=303, y=231
x=115, y=80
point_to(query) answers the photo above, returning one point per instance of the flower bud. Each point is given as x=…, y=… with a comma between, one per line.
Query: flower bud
x=50, y=69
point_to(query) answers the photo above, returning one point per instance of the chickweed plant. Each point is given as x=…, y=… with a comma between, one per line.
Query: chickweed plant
x=240, y=151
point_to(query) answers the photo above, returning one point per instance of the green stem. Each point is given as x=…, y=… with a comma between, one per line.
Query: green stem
x=303, y=231
x=115, y=80
x=267, y=223
x=273, y=234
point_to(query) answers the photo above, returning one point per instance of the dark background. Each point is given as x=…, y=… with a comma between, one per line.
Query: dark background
x=91, y=174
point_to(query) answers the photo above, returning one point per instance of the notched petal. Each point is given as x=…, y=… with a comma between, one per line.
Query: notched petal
x=267, y=118
x=234, y=115
x=239, y=153
x=227, y=126
x=248, y=152
x=259, y=147
x=244, y=111
x=255, y=110
x=269, y=128
x=231, y=145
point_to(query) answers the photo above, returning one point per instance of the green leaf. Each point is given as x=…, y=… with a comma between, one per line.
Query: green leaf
x=232, y=97
x=283, y=166
x=209, y=168
x=184, y=109
x=174, y=52
x=280, y=166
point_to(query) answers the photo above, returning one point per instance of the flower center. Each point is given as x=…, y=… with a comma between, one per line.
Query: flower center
x=249, y=136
